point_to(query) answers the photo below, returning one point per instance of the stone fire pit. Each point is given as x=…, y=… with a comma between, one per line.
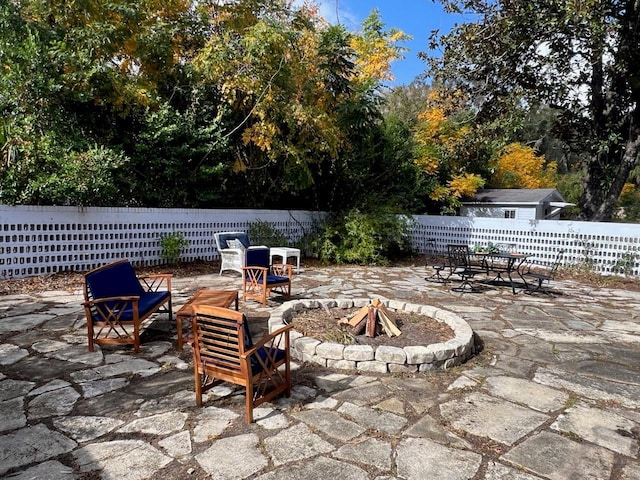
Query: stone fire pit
x=380, y=359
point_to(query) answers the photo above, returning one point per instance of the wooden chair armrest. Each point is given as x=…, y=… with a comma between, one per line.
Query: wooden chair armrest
x=264, y=270
x=155, y=281
x=157, y=275
x=266, y=339
x=282, y=270
x=97, y=301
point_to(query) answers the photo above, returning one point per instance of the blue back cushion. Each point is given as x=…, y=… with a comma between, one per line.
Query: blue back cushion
x=114, y=281
x=243, y=237
x=257, y=257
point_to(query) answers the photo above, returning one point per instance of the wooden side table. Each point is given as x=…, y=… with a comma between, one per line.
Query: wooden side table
x=215, y=298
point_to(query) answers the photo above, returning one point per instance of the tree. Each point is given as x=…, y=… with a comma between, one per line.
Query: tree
x=520, y=167
x=283, y=78
x=406, y=102
x=375, y=48
x=579, y=58
x=449, y=150
x=79, y=82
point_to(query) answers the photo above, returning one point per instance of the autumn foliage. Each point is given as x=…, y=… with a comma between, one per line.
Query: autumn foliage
x=442, y=138
x=520, y=167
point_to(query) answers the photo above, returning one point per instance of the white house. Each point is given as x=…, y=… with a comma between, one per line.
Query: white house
x=520, y=203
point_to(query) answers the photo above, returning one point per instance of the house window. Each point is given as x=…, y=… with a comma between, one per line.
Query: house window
x=510, y=213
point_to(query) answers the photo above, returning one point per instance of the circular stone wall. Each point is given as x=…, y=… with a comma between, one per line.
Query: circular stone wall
x=381, y=359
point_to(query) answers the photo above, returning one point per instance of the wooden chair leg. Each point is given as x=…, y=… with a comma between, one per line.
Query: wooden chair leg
x=249, y=403
x=198, y=386
x=90, y=335
x=136, y=337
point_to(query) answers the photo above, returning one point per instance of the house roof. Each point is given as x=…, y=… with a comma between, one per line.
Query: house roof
x=519, y=196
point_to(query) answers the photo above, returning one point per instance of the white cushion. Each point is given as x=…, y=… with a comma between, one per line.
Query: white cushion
x=235, y=243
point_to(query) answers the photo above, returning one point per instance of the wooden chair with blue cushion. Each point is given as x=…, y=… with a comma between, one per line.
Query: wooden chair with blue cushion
x=117, y=301
x=223, y=351
x=260, y=278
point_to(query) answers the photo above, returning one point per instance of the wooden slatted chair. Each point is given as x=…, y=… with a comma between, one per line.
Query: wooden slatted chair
x=117, y=301
x=260, y=278
x=223, y=351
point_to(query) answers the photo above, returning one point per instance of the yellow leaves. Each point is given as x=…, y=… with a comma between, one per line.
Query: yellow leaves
x=238, y=166
x=428, y=163
x=628, y=188
x=261, y=135
x=465, y=185
x=433, y=120
x=374, y=59
x=438, y=133
x=520, y=167
x=375, y=49
x=439, y=193
x=130, y=46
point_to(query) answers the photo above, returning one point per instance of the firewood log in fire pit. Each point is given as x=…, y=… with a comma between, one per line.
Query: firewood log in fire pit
x=373, y=319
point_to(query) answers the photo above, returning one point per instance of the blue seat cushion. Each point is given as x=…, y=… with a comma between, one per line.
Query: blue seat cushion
x=262, y=352
x=271, y=279
x=148, y=302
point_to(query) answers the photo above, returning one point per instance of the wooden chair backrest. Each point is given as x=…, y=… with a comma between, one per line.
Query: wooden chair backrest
x=220, y=337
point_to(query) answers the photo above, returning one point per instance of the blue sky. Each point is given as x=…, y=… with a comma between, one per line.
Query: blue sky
x=414, y=17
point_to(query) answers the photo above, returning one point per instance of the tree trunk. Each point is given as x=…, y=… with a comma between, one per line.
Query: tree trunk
x=598, y=199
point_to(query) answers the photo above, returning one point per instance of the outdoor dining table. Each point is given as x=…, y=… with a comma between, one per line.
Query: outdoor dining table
x=500, y=263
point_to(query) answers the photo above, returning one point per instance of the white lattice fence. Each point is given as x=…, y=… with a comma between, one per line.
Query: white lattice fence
x=607, y=247
x=42, y=240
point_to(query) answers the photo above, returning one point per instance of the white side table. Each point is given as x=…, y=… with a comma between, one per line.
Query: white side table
x=285, y=253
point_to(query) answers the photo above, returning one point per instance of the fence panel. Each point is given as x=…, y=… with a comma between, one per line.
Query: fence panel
x=36, y=240
x=605, y=247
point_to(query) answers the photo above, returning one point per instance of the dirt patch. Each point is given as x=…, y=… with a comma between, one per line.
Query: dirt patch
x=322, y=324
x=72, y=281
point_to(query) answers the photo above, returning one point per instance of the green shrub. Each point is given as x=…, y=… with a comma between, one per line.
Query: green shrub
x=625, y=264
x=364, y=238
x=264, y=233
x=172, y=245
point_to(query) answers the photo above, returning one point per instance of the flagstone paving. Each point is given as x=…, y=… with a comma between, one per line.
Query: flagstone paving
x=553, y=393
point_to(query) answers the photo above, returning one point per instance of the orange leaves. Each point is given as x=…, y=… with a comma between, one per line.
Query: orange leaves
x=520, y=167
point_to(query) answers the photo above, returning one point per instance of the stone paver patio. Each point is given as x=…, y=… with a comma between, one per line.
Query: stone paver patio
x=554, y=394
